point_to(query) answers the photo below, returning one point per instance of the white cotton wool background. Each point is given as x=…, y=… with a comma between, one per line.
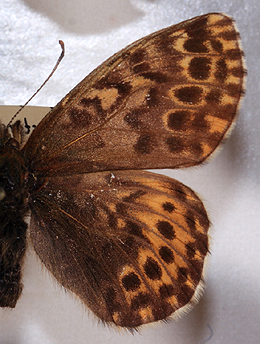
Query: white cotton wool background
x=229, y=185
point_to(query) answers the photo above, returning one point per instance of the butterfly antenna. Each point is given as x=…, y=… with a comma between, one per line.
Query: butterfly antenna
x=54, y=69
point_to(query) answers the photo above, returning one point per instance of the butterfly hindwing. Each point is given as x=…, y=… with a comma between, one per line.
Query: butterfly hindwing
x=130, y=244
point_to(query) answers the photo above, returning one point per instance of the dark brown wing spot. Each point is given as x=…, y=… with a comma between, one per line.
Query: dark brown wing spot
x=140, y=68
x=155, y=76
x=152, y=269
x=199, y=123
x=144, y=145
x=196, y=148
x=123, y=88
x=217, y=45
x=189, y=94
x=180, y=193
x=213, y=96
x=202, y=243
x=133, y=118
x=182, y=275
x=135, y=230
x=221, y=72
x=113, y=80
x=195, y=272
x=190, y=220
x=138, y=56
x=168, y=206
x=198, y=28
x=77, y=115
x=237, y=72
x=198, y=34
x=199, y=68
x=93, y=103
x=185, y=296
x=142, y=300
x=166, y=254
x=203, y=219
x=131, y=282
x=166, y=291
x=191, y=249
x=134, y=196
x=166, y=229
x=224, y=21
x=175, y=144
x=166, y=44
x=163, y=311
x=195, y=45
x=230, y=35
x=197, y=269
x=178, y=120
x=233, y=90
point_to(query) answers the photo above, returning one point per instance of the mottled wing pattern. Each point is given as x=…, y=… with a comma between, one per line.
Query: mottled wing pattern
x=131, y=244
x=167, y=100
x=134, y=245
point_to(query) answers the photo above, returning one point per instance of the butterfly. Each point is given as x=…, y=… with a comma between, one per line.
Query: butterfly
x=129, y=243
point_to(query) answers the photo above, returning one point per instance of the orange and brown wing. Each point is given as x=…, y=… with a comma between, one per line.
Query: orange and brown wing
x=167, y=100
x=130, y=244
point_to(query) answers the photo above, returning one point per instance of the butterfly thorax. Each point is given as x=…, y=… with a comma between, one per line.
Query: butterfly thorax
x=12, y=211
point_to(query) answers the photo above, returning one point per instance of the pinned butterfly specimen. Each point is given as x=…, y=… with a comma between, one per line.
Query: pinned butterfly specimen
x=130, y=244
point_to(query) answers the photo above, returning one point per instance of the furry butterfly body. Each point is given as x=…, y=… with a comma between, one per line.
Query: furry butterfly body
x=130, y=244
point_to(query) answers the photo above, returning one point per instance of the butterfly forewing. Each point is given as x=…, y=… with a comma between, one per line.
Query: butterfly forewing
x=165, y=101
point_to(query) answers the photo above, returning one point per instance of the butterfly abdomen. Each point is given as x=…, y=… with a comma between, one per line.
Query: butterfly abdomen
x=12, y=248
x=12, y=226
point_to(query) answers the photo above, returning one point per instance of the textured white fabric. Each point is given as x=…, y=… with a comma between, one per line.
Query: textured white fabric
x=229, y=185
